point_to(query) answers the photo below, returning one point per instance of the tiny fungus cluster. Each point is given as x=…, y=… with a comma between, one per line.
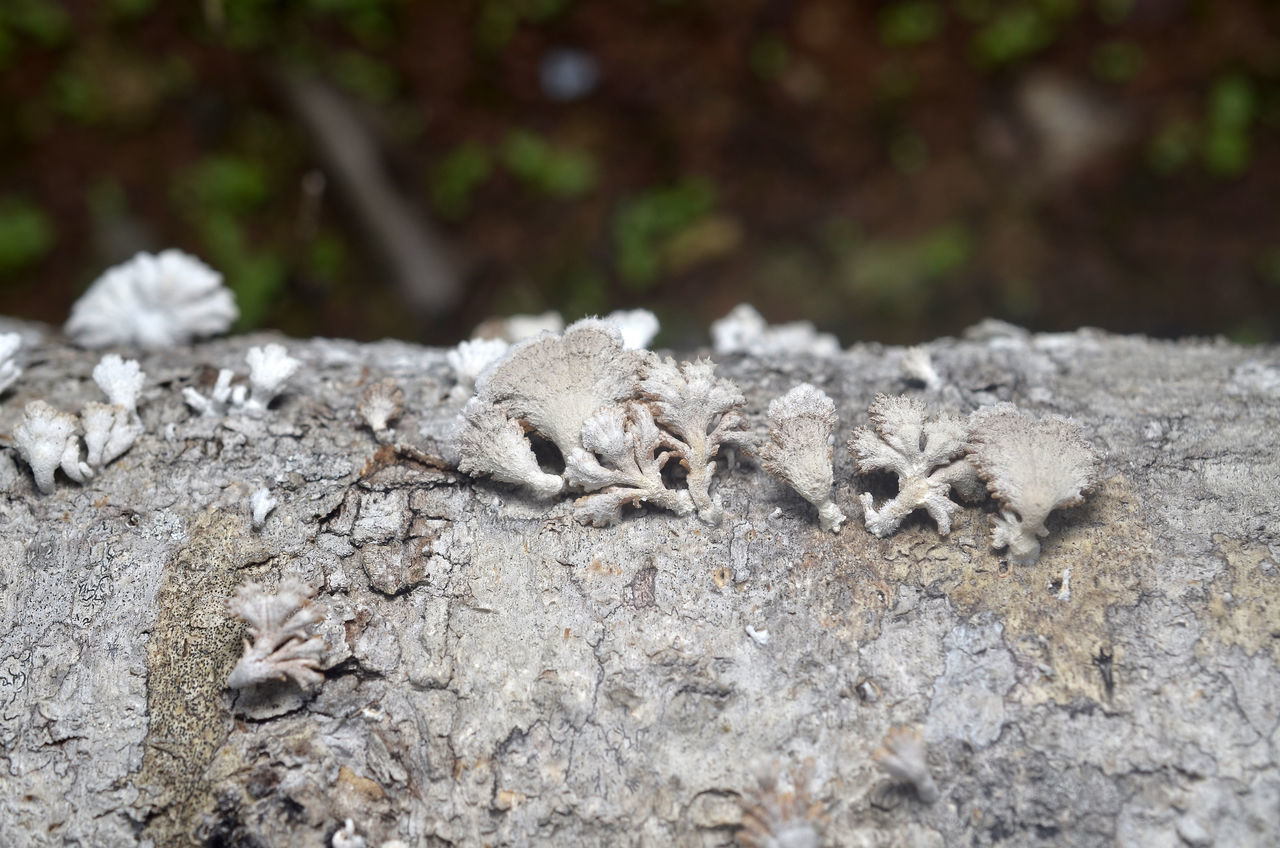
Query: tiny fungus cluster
x=283, y=646
x=48, y=440
x=270, y=367
x=616, y=415
x=1030, y=466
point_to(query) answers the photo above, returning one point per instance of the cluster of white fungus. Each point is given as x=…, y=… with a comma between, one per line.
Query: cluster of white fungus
x=270, y=368
x=744, y=330
x=802, y=426
x=616, y=414
x=472, y=357
x=926, y=454
x=1031, y=466
x=49, y=440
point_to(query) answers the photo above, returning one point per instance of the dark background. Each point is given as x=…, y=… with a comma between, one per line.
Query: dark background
x=890, y=170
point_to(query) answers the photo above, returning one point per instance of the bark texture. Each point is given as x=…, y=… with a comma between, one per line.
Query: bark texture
x=499, y=674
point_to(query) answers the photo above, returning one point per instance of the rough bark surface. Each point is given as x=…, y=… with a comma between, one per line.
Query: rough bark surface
x=499, y=674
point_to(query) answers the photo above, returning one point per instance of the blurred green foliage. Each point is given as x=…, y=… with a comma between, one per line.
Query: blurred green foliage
x=1114, y=12
x=1269, y=266
x=131, y=8
x=216, y=196
x=498, y=20
x=549, y=169
x=643, y=225
x=769, y=57
x=252, y=24
x=909, y=152
x=1231, y=110
x=100, y=84
x=457, y=177
x=1117, y=61
x=895, y=277
x=224, y=183
x=364, y=76
x=1012, y=31
x=26, y=233
x=910, y=22
x=43, y=22
x=1172, y=146
x=193, y=78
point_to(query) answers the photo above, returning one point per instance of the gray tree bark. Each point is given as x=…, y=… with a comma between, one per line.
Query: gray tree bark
x=498, y=674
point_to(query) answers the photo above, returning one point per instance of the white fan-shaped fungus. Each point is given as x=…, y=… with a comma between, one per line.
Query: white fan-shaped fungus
x=1032, y=467
x=620, y=461
x=153, y=301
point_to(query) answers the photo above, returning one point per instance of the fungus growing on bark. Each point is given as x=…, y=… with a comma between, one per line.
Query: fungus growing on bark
x=638, y=327
x=219, y=399
x=261, y=504
x=9, y=370
x=283, y=647
x=154, y=302
x=381, y=404
x=917, y=365
x=801, y=426
x=468, y=361
x=270, y=367
x=1032, y=467
x=46, y=440
x=121, y=380
x=744, y=330
x=555, y=383
x=699, y=414
x=111, y=428
x=621, y=462
x=490, y=443
x=924, y=454
x=775, y=818
x=347, y=837
x=905, y=757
